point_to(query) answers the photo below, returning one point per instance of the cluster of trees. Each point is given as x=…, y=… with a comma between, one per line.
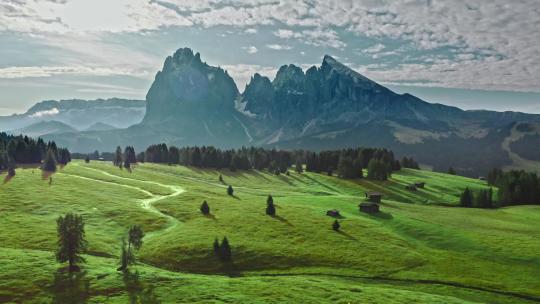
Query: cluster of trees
x=409, y=162
x=72, y=242
x=348, y=162
x=223, y=250
x=483, y=199
x=25, y=150
x=124, y=159
x=515, y=187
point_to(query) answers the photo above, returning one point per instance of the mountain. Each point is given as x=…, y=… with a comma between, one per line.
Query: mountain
x=99, y=126
x=80, y=114
x=43, y=128
x=325, y=107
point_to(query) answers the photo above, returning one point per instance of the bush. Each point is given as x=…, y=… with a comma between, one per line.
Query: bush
x=336, y=225
x=270, y=208
x=230, y=190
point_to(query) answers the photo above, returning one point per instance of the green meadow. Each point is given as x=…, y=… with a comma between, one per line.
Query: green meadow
x=421, y=247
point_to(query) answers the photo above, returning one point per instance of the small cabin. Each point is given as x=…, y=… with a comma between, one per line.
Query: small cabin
x=374, y=197
x=411, y=187
x=333, y=213
x=369, y=207
x=419, y=184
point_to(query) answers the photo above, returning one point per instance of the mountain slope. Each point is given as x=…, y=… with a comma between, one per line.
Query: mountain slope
x=325, y=107
x=43, y=128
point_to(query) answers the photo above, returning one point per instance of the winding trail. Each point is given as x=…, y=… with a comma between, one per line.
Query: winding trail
x=147, y=203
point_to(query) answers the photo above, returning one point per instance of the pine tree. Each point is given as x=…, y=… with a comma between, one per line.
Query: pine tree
x=205, y=209
x=336, y=225
x=466, y=198
x=216, y=246
x=135, y=237
x=225, y=250
x=71, y=240
x=298, y=167
x=87, y=159
x=230, y=190
x=451, y=171
x=117, y=161
x=49, y=164
x=221, y=178
x=125, y=256
x=270, y=208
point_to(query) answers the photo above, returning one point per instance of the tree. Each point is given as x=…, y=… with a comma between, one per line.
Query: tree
x=135, y=237
x=336, y=225
x=466, y=198
x=117, y=161
x=125, y=256
x=225, y=250
x=127, y=164
x=451, y=171
x=377, y=170
x=216, y=246
x=298, y=167
x=220, y=178
x=71, y=240
x=205, y=209
x=87, y=159
x=230, y=190
x=11, y=166
x=49, y=164
x=270, y=208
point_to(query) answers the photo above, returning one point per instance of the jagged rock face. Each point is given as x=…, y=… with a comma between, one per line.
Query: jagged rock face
x=186, y=86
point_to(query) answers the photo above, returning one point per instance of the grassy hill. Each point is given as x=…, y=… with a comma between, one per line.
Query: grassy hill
x=420, y=248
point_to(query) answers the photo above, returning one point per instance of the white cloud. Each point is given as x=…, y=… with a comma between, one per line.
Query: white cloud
x=316, y=37
x=374, y=49
x=40, y=114
x=278, y=47
x=251, y=31
x=242, y=73
x=48, y=71
x=250, y=49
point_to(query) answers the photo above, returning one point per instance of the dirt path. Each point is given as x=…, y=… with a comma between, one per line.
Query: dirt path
x=147, y=203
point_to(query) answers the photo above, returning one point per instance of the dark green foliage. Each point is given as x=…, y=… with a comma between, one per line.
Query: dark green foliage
x=349, y=167
x=336, y=225
x=466, y=198
x=298, y=167
x=378, y=170
x=135, y=237
x=270, y=208
x=216, y=246
x=409, y=163
x=515, y=187
x=129, y=155
x=117, y=161
x=127, y=164
x=224, y=252
x=221, y=178
x=230, y=190
x=484, y=199
x=205, y=209
x=87, y=159
x=135, y=242
x=25, y=150
x=49, y=164
x=71, y=239
x=451, y=171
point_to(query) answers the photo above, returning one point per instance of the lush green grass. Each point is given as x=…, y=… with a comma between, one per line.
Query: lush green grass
x=419, y=249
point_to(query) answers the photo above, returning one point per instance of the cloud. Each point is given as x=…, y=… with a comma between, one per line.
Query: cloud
x=250, y=49
x=50, y=112
x=251, y=31
x=242, y=73
x=315, y=37
x=374, y=49
x=48, y=71
x=278, y=47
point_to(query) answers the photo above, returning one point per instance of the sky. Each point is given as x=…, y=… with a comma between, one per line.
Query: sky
x=482, y=54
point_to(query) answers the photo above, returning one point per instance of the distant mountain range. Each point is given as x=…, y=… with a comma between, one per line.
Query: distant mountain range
x=325, y=107
x=76, y=114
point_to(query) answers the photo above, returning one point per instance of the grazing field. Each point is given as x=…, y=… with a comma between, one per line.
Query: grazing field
x=420, y=248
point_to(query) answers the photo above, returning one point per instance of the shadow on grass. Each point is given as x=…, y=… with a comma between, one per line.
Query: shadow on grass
x=8, y=178
x=211, y=216
x=137, y=292
x=282, y=219
x=70, y=287
x=383, y=215
x=345, y=234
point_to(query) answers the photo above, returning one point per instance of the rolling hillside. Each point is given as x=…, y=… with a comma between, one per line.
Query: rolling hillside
x=420, y=248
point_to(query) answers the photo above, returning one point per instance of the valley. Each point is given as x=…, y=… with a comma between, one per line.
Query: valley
x=420, y=247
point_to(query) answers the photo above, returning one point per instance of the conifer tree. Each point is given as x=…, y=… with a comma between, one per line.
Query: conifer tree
x=117, y=161
x=216, y=246
x=230, y=190
x=298, y=167
x=466, y=198
x=225, y=253
x=451, y=171
x=205, y=209
x=71, y=240
x=49, y=164
x=270, y=208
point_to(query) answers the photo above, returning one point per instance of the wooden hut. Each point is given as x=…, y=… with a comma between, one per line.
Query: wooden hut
x=374, y=197
x=333, y=213
x=369, y=207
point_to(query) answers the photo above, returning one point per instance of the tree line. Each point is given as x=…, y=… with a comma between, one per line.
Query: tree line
x=25, y=150
x=515, y=187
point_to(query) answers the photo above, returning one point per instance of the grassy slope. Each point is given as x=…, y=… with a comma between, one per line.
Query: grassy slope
x=398, y=256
